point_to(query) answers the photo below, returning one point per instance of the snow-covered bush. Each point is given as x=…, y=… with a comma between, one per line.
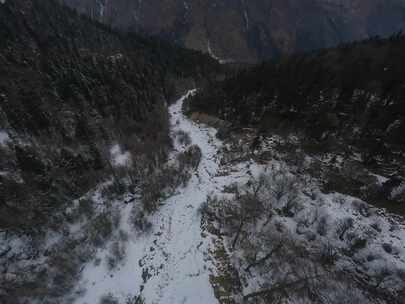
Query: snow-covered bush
x=293, y=247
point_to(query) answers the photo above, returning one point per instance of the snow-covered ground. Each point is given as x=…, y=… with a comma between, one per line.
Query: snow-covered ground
x=178, y=260
x=170, y=264
x=174, y=261
x=4, y=138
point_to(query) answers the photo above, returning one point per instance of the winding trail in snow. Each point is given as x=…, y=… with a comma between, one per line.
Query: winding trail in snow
x=171, y=264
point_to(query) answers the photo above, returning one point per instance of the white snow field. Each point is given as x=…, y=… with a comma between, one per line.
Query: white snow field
x=170, y=264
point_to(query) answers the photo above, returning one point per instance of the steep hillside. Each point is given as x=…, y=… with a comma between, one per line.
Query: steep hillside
x=348, y=100
x=251, y=30
x=261, y=188
x=244, y=229
x=78, y=103
x=71, y=87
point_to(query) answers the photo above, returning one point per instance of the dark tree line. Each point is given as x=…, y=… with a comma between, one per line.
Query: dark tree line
x=353, y=92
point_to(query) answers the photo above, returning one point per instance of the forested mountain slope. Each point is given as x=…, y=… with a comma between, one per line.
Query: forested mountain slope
x=355, y=92
x=251, y=30
x=77, y=99
x=313, y=144
x=70, y=86
x=347, y=100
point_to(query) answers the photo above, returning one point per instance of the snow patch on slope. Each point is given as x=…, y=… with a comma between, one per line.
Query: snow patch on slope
x=4, y=137
x=120, y=158
x=212, y=54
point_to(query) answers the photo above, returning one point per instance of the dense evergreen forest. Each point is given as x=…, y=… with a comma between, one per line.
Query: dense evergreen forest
x=70, y=89
x=353, y=93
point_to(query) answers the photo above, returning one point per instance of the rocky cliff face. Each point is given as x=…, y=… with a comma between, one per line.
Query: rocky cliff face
x=244, y=30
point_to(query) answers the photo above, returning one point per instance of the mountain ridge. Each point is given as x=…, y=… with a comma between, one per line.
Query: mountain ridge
x=250, y=31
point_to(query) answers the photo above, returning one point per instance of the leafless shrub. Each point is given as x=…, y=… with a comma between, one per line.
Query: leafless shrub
x=191, y=157
x=86, y=207
x=160, y=183
x=233, y=188
x=109, y=299
x=328, y=255
x=179, y=176
x=123, y=236
x=278, y=187
x=310, y=218
x=382, y=276
x=358, y=243
x=116, y=255
x=339, y=199
x=183, y=138
x=114, y=189
x=152, y=191
x=162, y=180
x=64, y=262
x=361, y=207
x=135, y=300
x=343, y=226
x=291, y=206
x=203, y=208
x=101, y=229
x=295, y=272
x=376, y=226
x=387, y=248
x=275, y=249
x=140, y=221
x=292, y=270
x=322, y=227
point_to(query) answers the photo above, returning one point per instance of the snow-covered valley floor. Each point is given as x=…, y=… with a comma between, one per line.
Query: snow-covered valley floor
x=175, y=262
x=170, y=264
